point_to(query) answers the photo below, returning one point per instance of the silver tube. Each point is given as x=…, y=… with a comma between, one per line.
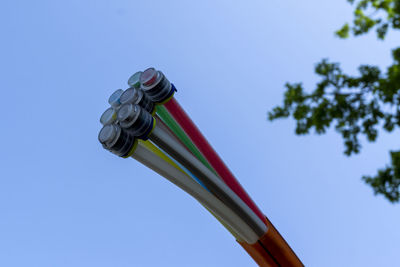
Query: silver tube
x=208, y=178
x=186, y=183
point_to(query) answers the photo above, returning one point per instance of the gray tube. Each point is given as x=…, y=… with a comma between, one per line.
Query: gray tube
x=208, y=178
x=186, y=183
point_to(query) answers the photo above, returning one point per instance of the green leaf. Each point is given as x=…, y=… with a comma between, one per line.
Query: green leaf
x=343, y=32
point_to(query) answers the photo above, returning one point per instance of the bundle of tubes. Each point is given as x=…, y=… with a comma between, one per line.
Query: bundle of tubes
x=147, y=123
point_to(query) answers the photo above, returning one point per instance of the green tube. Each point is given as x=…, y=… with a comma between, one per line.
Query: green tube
x=177, y=130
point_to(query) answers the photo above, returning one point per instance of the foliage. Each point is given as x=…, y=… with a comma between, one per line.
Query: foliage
x=356, y=105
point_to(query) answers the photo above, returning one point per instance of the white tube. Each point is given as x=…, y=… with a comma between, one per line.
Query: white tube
x=224, y=213
x=208, y=178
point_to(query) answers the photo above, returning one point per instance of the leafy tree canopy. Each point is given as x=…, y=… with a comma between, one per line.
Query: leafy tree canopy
x=363, y=104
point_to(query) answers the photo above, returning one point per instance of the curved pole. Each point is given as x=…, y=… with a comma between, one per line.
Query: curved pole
x=150, y=157
x=208, y=178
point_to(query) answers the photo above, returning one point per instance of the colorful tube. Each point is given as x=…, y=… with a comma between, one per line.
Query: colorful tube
x=177, y=130
x=208, y=178
x=164, y=156
x=150, y=156
x=212, y=157
x=257, y=251
x=134, y=118
x=161, y=124
x=119, y=142
x=272, y=239
x=191, y=152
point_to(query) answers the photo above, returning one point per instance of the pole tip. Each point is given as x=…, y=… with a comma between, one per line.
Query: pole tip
x=134, y=80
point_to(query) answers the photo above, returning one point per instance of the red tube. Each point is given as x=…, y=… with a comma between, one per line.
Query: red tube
x=209, y=153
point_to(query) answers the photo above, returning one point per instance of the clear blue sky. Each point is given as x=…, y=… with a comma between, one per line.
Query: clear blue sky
x=64, y=201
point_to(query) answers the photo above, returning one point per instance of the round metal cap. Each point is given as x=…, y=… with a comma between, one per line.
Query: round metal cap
x=113, y=100
x=128, y=114
x=131, y=95
x=134, y=80
x=108, y=134
x=149, y=77
x=108, y=116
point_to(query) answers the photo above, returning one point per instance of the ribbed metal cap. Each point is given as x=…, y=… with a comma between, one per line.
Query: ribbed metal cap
x=134, y=80
x=149, y=77
x=155, y=85
x=132, y=96
x=108, y=117
x=116, y=140
x=108, y=135
x=128, y=114
x=113, y=100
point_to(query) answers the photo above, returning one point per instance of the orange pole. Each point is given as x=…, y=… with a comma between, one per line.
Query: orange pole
x=271, y=250
x=259, y=254
x=279, y=248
